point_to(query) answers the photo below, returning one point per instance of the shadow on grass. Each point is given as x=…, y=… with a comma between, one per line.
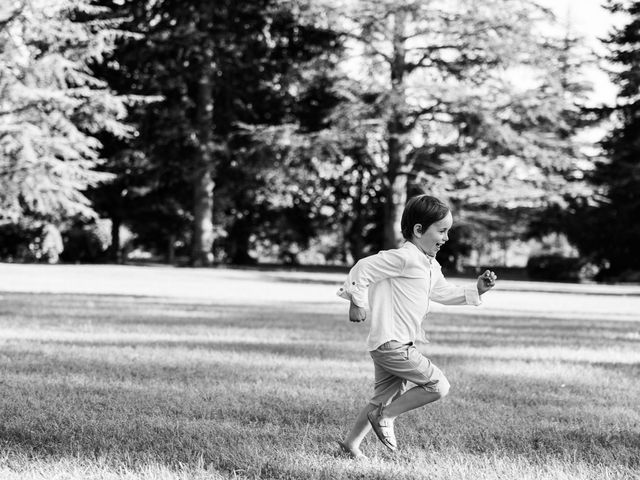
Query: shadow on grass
x=51, y=309
x=220, y=421
x=133, y=426
x=303, y=280
x=259, y=348
x=234, y=403
x=176, y=409
x=575, y=443
x=127, y=311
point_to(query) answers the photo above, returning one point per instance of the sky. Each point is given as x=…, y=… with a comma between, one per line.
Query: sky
x=589, y=19
x=587, y=16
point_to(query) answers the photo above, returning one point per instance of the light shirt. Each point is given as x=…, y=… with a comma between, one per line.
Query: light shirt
x=398, y=284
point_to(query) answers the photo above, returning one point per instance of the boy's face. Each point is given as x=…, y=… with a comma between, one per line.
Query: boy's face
x=433, y=237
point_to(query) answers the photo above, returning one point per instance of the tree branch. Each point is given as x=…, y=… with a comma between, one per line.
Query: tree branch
x=411, y=66
x=416, y=115
x=366, y=42
x=17, y=110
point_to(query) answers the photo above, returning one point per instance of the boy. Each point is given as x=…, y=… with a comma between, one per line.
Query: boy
x=400, y=283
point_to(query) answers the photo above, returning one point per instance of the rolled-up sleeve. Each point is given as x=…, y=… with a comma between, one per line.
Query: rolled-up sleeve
x=369, y=270
x=449, y=294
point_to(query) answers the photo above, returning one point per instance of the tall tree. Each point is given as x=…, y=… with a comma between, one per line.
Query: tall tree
x=175, y=56
x=219, y=67
x=448, y=111
x=204, y=122
x=610, y=230
x=51, y=109
x=269, y=198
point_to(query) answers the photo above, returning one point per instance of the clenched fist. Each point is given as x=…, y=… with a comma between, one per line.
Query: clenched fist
x=486, y=281
x=356, y=313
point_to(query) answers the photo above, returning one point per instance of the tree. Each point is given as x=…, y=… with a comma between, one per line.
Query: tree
x=270, y=198
x=444, y=111
x=194, y=142
x=609, y=230
x=51, y=109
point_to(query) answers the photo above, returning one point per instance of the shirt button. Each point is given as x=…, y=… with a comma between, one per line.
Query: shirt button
x=353, y=283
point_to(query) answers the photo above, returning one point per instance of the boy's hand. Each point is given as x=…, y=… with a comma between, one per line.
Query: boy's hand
x=356, y=313
x=486, y=281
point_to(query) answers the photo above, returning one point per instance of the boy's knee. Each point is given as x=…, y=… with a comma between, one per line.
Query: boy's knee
x=441, y=388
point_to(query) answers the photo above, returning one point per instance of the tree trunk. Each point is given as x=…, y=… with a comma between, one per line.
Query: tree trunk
x=203, y=186
x=171, y=249
x=239, y=242
x=114, y=249
x=354, y=234
x=396, y=178
x=395, y=198
x=202, y=219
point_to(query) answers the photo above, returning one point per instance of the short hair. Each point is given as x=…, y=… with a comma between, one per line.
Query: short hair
x=424, y=210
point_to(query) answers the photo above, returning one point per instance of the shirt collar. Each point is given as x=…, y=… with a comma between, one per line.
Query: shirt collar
x=423, y=256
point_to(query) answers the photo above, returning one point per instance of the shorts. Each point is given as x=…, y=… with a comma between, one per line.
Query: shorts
x=397, y=364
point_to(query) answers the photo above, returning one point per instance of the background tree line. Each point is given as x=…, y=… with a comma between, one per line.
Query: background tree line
x=287, y=130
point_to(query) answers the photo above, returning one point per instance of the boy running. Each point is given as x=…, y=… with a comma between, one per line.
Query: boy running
x=398, y=284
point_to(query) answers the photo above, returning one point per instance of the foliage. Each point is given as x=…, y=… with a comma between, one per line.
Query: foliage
x=558, y=268
x=86, y=242
x=436, y=105
x=265, y=198
x=612, y=232
x=29, y=242
x=51, y=108
x=265, y=57
x=308, y=123
x=15, y=242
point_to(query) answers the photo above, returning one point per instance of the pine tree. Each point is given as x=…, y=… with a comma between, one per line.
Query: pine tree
x=195, y=140
x=439, y=92
x=51, y=109
x=610, y=232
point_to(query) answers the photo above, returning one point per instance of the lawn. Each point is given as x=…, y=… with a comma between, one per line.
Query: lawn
x=106, y=386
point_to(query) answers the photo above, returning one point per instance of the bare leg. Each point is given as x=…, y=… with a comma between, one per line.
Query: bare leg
x=360, y=429
x=410, y=400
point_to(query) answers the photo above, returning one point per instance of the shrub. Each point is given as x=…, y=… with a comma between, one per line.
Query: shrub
x=86, y=243
x=30, y=242
x=15, y=240
x=554, y=267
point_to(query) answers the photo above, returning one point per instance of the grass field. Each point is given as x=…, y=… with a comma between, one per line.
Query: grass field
x=106, y=386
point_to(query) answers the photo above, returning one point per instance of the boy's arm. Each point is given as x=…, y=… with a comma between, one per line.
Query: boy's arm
x=369, y=270
x=449, y=294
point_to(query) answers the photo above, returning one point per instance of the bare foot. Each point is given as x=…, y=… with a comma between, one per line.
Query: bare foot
x=351, y=452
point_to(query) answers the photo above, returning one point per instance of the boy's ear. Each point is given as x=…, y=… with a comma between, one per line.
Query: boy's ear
x=417, y=230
